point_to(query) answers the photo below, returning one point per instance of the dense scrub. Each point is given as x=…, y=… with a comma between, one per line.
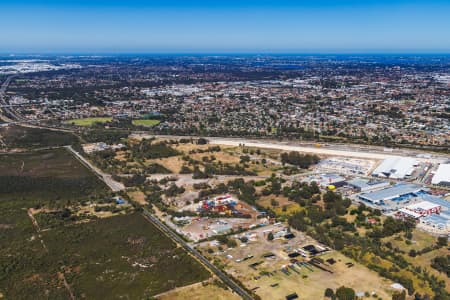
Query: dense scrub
x=23, y=137
x=303, y=161
x=150, y=149
x=113, y=258
x=108, y=136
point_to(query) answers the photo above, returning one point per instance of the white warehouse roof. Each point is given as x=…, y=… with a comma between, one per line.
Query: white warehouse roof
x=424, y=205
x=396, y=167
x=442, y=175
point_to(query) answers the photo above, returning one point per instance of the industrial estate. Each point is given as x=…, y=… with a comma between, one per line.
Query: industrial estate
x=225, y=178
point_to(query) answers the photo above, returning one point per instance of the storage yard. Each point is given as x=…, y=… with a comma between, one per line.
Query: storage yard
x=293, y=263
x=197, y=228
x=346, y=165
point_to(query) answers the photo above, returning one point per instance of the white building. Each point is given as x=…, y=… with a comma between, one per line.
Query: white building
x=442, y=175
x=396, y=167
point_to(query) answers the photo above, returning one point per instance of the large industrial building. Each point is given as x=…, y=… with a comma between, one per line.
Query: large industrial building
x=420, y=209
x=442, y=175
x=365, y=185
x=433, y=212
x=398, y=192
x=439, y=222
x=396, y=167
x=407, y=200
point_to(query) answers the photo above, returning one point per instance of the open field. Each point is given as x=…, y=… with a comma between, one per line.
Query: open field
x=286, y=147
x=251, y=264
x=225, y=160
x=146, y=122
x=200, y=291
x=356, y=151
x=173, y=163
x=421, y=240
x=312, y=284
x=89, y=121
x=138, y=197
x=222, y=156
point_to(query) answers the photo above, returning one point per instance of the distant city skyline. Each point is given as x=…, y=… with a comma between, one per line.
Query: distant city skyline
x=247, y=26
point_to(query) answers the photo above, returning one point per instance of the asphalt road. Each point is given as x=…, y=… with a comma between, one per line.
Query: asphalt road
x=115, y=186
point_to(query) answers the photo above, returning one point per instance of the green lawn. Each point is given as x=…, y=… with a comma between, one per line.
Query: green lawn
x=145, y=122
x=89, y=121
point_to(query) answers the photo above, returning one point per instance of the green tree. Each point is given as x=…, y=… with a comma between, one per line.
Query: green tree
x=399, y=296
x=442, y=241
x=345, y=293
x=329, y=292
x=231, y=243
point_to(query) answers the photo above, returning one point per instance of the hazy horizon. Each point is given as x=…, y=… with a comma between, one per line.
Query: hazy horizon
x=225, y=27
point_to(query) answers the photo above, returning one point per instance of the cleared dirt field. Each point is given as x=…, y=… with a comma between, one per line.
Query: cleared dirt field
x=90, y=210
x=121, y=156
x=285, y=147
x=173, y=163
x=200, y=291
x=312, y=284
x=263, y=274
x=138, y=197
x=188, y=147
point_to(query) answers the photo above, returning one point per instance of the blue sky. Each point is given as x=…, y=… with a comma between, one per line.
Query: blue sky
x=246, y=26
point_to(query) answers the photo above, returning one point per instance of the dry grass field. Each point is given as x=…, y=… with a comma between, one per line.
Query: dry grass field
x=222, y=156
x=138, y=197
x=269, y=282
x=200, y=291
x=311, y=285
x=284, y=207
x=421, y=240
x=173, y=163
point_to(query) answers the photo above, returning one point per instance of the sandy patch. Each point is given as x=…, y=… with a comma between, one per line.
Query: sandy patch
x=174, y=163
x=201, y=292
x=138, y=196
